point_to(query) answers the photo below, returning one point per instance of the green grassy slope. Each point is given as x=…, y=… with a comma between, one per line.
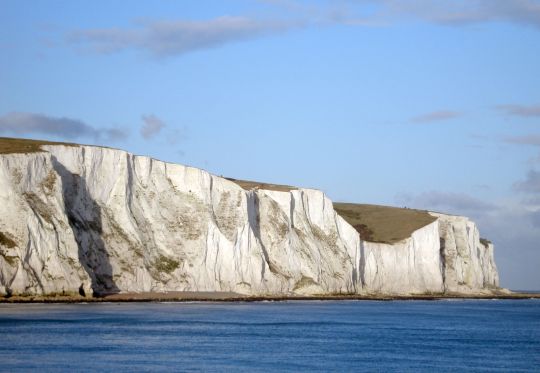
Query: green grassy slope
x=248, y=185
x=383, y=224
x=375, y=223
x=12, y=146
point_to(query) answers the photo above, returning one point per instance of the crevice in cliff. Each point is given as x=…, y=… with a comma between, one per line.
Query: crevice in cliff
x=85, y=219
x=33, y=275
x=292, y=208
x=130, y=184
x=254, y=220
x=362, y=264
x=442, y=243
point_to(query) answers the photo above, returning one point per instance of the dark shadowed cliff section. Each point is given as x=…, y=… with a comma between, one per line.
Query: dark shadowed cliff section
x=85, y=219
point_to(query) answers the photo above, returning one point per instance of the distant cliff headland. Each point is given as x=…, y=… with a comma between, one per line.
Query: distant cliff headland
x=86, y=221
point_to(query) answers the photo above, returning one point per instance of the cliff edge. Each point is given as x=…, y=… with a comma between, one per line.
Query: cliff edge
x=91, y=220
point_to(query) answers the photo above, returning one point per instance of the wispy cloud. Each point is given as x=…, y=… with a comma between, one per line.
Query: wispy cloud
x=20, y=123
x=458, y=203
x=531, y=184
x=520, y=110
x=435, y=116
x=152, y=125
x=534, y=161
x=460, y=12
x=445, y=12
x=176, y=37
x=178, y=135
x=532, y=139
x=166, y=38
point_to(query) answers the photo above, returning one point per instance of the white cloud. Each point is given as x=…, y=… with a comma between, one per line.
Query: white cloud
x=531, y=184
x=435, y=116
x=531, y=139
x=456, y=203
x=152, y=125
x=521, y=110
x=164, y=38
x=446, y=12
x=22, y=123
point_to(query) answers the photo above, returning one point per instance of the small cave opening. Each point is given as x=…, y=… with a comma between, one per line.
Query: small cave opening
x=82, y=293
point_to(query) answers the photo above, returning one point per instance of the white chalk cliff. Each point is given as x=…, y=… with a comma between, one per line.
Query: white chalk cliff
x=104, y=220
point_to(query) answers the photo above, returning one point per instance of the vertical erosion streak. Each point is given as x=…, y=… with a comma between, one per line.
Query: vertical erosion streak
x=442, y=247
x=85, y=220
x=362, y=263
x=130, y=183
x=292, y=208
x=255, y=225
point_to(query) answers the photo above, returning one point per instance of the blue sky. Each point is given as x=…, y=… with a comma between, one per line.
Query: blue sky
x=427, y=103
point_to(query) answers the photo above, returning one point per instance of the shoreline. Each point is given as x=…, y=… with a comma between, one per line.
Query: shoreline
x=218, y=297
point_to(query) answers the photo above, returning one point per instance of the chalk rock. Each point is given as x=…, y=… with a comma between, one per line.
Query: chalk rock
x=93, y=220
x=469, y=263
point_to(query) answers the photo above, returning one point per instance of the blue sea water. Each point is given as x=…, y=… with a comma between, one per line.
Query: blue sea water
x=405, y=336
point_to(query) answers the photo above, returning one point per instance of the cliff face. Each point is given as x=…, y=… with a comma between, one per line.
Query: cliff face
x=468, y=261
x=97, y=220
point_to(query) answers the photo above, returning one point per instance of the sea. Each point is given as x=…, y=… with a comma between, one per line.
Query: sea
x=290, y=336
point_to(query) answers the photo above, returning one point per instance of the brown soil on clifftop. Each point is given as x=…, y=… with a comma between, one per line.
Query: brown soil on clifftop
x=381, y=224
x=24, y=146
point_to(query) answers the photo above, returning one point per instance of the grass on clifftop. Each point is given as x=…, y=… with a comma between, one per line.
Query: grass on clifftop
x=248, y=185
x=374, y=223
x=23, y=146
x=383, y=224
